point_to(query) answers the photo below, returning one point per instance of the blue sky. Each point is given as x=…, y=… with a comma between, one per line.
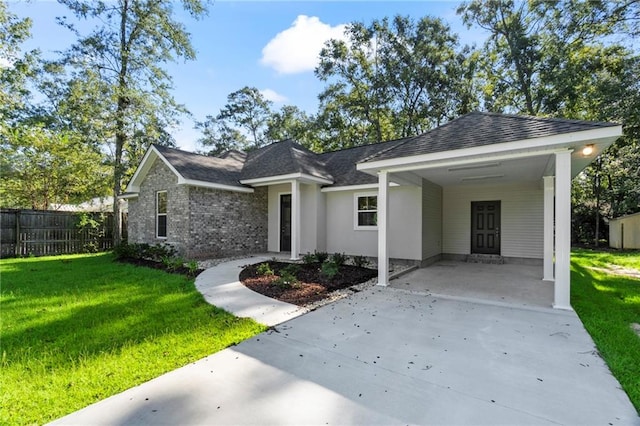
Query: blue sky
x=270, y=45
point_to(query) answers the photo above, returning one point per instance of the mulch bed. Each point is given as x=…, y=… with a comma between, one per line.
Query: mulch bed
x=312, y=286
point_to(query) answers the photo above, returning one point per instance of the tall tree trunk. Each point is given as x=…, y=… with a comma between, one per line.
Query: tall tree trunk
x=121, y=135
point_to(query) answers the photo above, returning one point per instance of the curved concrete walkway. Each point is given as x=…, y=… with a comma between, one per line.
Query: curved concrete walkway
x=220, y=286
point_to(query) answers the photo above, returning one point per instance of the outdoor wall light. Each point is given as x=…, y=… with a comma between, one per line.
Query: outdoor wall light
x=588, y=150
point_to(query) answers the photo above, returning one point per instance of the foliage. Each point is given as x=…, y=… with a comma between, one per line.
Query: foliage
x=360, y=261
x=339, y=258
x=287, y=276
x=391, y=79
x=321, y=256
x=93, y=226
x=192, y=266
x=156, y=252
x=607, y=304
x=264, y=269
x=330, y=269
x=121, y=62
x=78, y=329
x=41, y=168
x=309, y=258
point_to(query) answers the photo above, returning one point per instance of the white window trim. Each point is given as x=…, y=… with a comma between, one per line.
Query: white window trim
x=162, y=214
x=357, y=195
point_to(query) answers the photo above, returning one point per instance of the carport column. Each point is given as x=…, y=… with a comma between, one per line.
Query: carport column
x=562, y=287
x=383, y=225
x=295, y=220
x=547, y=272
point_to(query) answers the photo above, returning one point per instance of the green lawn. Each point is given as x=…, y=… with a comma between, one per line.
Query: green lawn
x=608, y=303
x=77, y=329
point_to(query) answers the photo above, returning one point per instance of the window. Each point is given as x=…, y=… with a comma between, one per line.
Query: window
x=161, y=214
x=366, y=208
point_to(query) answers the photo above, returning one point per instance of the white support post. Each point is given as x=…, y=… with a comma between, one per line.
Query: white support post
x=295, y=220
x=383, y=222
x=562, y=287
x=547, y=270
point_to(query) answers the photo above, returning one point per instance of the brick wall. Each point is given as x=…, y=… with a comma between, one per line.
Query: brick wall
x=225, y=223
x=201, y=222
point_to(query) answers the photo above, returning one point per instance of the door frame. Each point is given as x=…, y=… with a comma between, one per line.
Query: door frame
x=279, y=233
x=499, y=226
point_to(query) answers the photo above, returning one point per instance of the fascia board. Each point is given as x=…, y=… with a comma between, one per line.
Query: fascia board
x=211, y=185
x=363, y=187
x=536, y=144
x=274, y=180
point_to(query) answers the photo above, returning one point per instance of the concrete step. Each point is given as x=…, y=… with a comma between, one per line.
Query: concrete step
x=492, y=259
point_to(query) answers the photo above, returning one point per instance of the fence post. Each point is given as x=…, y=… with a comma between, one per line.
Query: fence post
x=17, y=247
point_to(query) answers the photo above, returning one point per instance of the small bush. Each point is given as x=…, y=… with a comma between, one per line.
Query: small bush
x=321, y=256
x=192, y=266
x=360, y=261
x=288, y=275
x=339, y=259
x=329, y=269
x=309, y=258
x=264, y=269
x=125, y=251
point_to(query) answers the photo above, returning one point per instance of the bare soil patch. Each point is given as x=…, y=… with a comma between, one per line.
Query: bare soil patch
x=312, y=284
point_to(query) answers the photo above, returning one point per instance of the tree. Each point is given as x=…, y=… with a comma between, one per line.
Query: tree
x=16, y=67
x=392, y=79
x=41, y=168
x=123, y=56
x=292, y=123
x=564, y=59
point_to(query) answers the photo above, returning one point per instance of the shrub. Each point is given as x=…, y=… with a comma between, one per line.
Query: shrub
x=321, y=256
x=309, y=258
x=329, y=269
x=288, y=275
x=192, y=266
x=339, y=259
x=125, y=251
x=264, y=269
x=360, y=261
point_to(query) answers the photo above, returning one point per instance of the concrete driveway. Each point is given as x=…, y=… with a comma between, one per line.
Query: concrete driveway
x=388, y=356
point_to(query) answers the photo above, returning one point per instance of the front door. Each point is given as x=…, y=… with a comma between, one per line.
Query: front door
x=285, y=222
x=485, y=227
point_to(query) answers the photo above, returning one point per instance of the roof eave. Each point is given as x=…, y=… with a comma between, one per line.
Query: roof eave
x=603, y=137
x=275, y=180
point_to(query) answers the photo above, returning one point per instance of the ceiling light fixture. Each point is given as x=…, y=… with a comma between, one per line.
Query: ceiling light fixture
x=588, y=150
x=481, y=177
x=473, y=167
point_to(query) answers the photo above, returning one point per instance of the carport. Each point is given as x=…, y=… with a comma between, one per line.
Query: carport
x=493, y=185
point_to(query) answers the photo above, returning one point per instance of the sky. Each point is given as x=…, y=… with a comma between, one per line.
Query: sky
x=270, y=45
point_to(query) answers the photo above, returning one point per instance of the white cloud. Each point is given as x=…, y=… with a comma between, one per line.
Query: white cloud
x=296, y=49
x=273, y=96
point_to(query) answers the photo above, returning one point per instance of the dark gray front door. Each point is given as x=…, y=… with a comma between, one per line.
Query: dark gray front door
x=485, y=227
x=285, y=222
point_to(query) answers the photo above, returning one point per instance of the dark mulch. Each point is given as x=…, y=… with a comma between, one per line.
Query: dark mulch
x=159, y=265
x=312, y=285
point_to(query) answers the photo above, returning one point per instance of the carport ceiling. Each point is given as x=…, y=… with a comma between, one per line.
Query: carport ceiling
x=489, y=172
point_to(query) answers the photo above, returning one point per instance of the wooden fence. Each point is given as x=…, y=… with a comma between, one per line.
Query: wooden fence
x=41, y=233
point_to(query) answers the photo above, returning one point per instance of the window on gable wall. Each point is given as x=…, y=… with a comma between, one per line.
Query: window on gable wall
x=366, y=208
x=161, y=214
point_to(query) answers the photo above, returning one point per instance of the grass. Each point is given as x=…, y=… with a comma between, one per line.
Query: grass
x=77, y=329
x=608, y=304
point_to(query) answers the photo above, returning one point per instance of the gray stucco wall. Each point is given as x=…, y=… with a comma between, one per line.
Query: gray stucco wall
x=201, y=222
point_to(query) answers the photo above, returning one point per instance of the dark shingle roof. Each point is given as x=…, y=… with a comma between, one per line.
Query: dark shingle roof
x=225, y=171
x=482, y=128
x=471, y=130
x=342, y=164
x=282, y=158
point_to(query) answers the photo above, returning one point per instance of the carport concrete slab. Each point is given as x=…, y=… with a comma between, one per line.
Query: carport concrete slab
x=508, y=283
x=384, y=356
